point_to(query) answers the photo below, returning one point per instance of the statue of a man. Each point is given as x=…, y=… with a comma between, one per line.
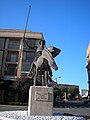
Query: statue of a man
x=40, y=49
x=38, y=52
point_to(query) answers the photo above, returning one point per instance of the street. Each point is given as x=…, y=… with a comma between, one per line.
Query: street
x=75, y=111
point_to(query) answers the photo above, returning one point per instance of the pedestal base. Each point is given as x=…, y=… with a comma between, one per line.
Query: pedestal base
x=40, y=101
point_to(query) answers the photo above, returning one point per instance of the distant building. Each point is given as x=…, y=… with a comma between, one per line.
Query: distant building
x=68, y=86
x=84, y=93
x=15, y=63
x=88, y=68
x=54, y=84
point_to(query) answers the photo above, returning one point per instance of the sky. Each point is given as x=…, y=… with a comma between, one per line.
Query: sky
x=65, y=24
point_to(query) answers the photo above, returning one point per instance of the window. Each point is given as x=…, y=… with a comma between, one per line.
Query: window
x=1, y=54
x=27, y=60
x=12, y=57
x=14, y=44
x=25, y=67
x=28, y=56
x=29, y=42
x=2, y=40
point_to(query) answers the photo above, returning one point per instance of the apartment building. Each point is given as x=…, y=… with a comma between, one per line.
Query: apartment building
x=11, y=52
x=15, y=56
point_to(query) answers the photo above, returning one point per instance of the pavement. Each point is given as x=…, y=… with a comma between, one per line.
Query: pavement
x=12, y=107
x=85, y=112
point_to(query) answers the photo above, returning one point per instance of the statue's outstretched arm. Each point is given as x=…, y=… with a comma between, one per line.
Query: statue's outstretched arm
x=30, y=47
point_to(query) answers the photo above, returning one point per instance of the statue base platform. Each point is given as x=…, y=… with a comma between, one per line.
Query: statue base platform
x=40, y=101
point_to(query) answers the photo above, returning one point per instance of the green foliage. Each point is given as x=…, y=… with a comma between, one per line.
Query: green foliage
x=71, y=92
x=21, y=89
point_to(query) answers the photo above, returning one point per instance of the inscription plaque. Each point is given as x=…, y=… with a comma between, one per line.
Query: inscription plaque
x=39, y=96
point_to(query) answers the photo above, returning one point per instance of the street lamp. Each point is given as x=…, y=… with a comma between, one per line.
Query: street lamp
x=55, y=79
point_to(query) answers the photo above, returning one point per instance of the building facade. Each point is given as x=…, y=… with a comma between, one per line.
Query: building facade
x=15, y=56
x=88, y=68
x=84, y=93
x=11, y=53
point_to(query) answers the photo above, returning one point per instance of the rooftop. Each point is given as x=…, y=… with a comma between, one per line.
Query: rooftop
x=20, y=33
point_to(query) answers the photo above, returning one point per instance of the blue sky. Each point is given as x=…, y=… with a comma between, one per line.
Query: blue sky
x=64, y=24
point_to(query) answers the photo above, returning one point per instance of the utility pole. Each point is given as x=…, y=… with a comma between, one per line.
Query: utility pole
x=21, y=47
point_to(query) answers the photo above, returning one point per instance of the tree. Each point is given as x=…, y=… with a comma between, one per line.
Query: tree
x=60, y=92
x=21, y=89
x=74, y=91
x=71, y=92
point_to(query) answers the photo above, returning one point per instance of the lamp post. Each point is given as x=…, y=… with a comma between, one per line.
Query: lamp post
x=55, y=79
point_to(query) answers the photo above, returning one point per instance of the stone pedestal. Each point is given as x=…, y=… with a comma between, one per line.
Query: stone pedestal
x=40, y=101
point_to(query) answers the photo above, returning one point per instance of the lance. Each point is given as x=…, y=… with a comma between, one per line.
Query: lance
x=21, y=46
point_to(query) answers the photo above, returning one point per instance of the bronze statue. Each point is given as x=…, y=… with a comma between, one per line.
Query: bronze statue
x=43, y=62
